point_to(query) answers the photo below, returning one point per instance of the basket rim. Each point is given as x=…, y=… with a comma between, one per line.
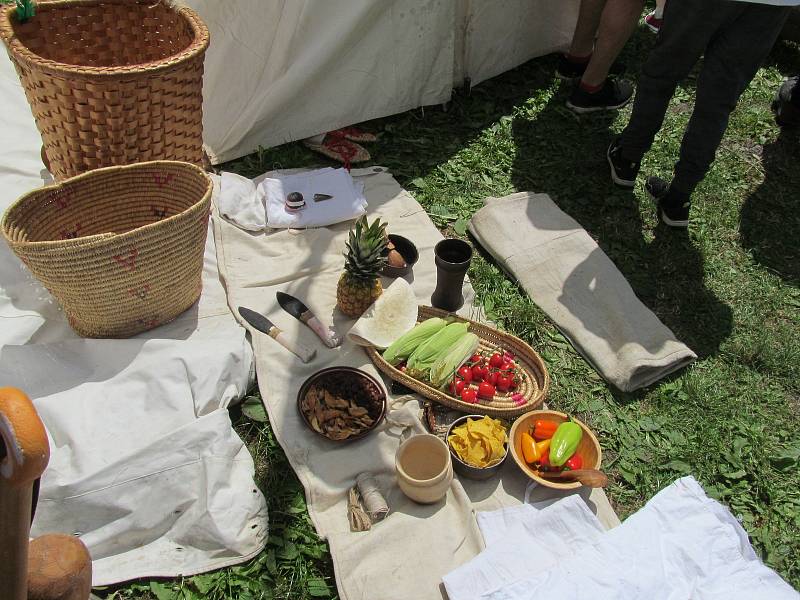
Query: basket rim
x=445, y=399
x=101, y=237
x=22, y=53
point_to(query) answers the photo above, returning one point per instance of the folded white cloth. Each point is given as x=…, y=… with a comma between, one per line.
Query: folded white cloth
x=348, y=200
x=521, y=541
x=682, y=544
x=570, y=278
x=240, y=203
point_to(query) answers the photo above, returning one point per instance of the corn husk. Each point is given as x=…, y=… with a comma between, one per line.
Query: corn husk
x=448, y=363
x=424, y=357
x=406, y=344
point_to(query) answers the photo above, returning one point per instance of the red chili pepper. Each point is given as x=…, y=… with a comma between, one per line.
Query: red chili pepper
x=574, y=462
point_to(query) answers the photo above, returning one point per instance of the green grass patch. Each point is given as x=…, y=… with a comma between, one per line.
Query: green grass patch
x=728, y=288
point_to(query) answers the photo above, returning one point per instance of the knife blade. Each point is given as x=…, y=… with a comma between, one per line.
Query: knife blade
x=322, y=197
x=263, y=324
x=303, y=314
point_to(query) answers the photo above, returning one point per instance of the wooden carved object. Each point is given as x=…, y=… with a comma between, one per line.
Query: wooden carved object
x=52, y=567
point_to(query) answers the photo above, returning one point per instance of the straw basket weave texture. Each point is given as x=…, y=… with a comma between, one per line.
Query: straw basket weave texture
x=120, y=248
x=111, y=82
x=533, y=387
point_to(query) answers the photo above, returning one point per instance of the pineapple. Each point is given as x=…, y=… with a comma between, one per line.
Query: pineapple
x=359, y=285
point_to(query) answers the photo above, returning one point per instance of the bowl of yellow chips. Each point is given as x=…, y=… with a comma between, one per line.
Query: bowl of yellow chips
x=478, y=445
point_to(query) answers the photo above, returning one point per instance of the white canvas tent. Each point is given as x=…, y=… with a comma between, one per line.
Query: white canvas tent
x=279, y=71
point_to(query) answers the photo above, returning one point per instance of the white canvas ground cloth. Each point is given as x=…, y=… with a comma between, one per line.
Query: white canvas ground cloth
x=406, y=555
x=144, y=466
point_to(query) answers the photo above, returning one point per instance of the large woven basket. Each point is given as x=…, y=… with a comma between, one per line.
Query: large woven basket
x=111, y=82
x=120, y=248
x=533, y=388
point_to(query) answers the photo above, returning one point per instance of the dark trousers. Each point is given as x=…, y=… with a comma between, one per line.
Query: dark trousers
x=734, y=37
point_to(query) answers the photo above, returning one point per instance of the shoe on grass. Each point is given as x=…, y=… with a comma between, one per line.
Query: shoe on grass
x=786, y=104
x=653, y=23
x=623, y=171
x=673, y=206
x=615, y=93
x=568, y=70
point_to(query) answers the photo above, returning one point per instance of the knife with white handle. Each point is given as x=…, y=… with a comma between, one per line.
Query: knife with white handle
x=263, y=324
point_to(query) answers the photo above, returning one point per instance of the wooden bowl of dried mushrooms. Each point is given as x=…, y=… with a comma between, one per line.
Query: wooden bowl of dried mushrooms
x=341, y=403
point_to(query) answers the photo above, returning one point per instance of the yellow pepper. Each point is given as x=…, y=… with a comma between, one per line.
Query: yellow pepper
x=532, y=450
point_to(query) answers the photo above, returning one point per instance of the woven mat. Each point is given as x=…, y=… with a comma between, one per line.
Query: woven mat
x=406, y=555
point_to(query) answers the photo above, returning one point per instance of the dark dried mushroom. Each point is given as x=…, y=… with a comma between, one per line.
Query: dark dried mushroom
x=340, y=405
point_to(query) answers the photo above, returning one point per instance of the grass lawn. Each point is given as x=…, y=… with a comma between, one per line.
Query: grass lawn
x=728, y=288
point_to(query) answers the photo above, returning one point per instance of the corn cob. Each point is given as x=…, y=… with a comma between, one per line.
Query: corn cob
x=405, y=345
x=448, y=363
x=421, y=361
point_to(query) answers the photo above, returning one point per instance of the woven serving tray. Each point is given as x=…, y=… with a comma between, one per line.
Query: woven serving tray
x=534, y=387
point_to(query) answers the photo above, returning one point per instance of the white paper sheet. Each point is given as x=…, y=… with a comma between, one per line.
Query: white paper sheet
x=144, y=466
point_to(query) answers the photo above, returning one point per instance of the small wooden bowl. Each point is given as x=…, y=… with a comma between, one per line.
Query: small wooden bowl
x=407, y=250
x=588, y=449
x=352, y=372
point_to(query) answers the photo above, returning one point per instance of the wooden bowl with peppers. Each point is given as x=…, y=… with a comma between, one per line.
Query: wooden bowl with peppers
x=538, y=433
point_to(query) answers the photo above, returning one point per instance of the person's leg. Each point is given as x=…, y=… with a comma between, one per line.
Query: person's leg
x=595, y=90
x=687, y=30
x=572, y=65
x=586, y=27
x=731, y=61
x=617, y=23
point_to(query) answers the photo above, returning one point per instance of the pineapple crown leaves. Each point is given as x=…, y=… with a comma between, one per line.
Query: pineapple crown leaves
x=364, y=257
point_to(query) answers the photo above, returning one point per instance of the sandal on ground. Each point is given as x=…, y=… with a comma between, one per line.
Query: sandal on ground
x=354, y=134
x=339, y=149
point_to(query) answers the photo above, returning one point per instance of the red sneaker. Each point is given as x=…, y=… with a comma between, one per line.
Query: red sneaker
x=653, y=23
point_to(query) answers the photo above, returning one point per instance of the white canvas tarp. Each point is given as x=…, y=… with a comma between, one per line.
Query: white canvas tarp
x=279, y=71
x=145, y=466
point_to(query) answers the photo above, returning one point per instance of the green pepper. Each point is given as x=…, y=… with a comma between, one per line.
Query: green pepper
x=564, y=443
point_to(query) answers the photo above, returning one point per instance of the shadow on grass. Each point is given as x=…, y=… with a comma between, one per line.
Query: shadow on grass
x=565, y=157
x=770, y=221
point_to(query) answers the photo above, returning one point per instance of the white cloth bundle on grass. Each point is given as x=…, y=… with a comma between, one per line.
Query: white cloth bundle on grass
x=682, y=544
x=258, y=204
x=571, y=279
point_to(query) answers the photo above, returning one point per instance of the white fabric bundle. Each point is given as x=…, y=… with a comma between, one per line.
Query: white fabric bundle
x=258, y=204
x=682, y=544
x=348, y=200
x=240, y=203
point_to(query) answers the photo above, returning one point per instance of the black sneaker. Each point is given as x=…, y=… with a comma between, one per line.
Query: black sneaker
x=568, y=70
x=614, y=94
x=673, y=206
x=623, y=171
x=786, y=105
